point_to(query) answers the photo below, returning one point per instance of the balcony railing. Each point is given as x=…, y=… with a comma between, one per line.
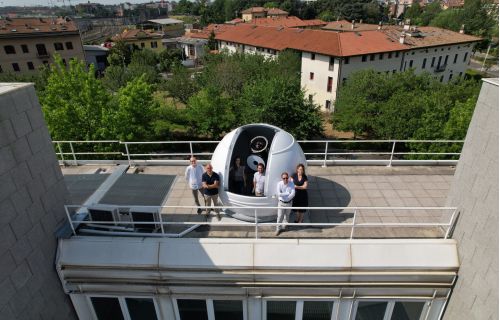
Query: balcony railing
x=423, y=222
x=317, y=152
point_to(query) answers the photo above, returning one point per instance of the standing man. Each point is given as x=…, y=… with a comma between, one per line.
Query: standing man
x=193, y=175
x=285, y=192
x=210, y=182
x=258, y=181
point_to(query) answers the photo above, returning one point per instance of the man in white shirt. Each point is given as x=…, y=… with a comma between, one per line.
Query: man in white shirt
x=286, y=193
x=193, y=176
x=258, y=181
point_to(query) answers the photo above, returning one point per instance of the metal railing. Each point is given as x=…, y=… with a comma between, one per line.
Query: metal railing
x=77, y=217
x=324, y=153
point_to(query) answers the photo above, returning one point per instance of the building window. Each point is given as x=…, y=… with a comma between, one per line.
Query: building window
x=393, y=70
x=346, y=60
x=331, y=64
x=1, y=70
x=423, y=63
x=446, y=60
x=363, y=58
x=329, y=84
x=9, y=49
x=465, y=56
x=58, y=46
x=143, y=45
x=411, y=63
x=15, y=66
x=141, y=308
x=310, y=98
x=313, y=56
x=31, y=66
x=344, y=81
x=404, y=67
x=328, y=104
x=397, y=54
x=280, y=310
x=154, y=44
x=41, y=50
x=389, y=55
x=24, y=48
x=228, y=309
x=107, y=308
x=407, y=310
x=372, y=57
x=192, y=309
x=459, y=75
x=311, y=75
x=450, y=77
x=439, y=61
x=441, y=79
x=413, y=52
x=314, y=310
x=455, y=58
x=69, y=45
x=381, y=56
x=371, y=310
x=64, y=62
x=45, y=62
x=433, y=61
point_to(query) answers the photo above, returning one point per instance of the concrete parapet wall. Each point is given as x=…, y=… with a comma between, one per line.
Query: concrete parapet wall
x=32, y=198
x=475, y=192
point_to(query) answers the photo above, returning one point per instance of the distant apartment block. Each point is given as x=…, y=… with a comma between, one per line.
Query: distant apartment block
x=260, y=12
x=27, y=43
x=329, y=58
x=141, y=39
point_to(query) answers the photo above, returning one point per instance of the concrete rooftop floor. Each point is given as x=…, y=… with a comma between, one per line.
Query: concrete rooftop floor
x=336, y=186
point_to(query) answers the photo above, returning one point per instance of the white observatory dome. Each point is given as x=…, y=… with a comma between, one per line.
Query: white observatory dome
x=255, y=143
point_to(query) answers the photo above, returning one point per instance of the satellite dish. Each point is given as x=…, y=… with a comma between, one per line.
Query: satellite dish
x=253, y=160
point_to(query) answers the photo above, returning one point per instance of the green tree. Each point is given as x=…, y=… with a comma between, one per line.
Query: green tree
x=74, y=102
x=134, y=112
x=280, y=101
x=168, y=58
x=327, y=16
x=120, y=54
x=210, y=112
x=212, y=43
x=448, y=19
x=271, y=4
x=181, y=86
x=429, y=12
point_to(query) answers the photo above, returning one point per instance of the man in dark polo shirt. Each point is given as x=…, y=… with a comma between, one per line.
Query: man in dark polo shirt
x=210, y=181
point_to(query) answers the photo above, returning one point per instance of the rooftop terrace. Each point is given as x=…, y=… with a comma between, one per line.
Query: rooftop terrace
x=345, y=202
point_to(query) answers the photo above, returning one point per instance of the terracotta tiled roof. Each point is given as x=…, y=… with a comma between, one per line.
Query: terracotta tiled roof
x=276, y=11
x=429, y=37
x=340, y=43
x=344, y=25
x=289, y=22
x=136, y=34
x=34, y=26
x=452, y=3
x=254, y=10
x=205, y=32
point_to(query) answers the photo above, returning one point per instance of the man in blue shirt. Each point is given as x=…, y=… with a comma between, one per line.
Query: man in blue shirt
x=210, y=181
x=285, y=192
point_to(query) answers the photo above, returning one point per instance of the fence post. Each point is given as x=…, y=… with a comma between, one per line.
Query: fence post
x=161, y=222
x=128, y=154
x=256, y=226
x=353, y=223
x=73, y=153
x=191, y=148
x=392, y=153
x=69, y=220
x=60, y=151
x=450, y=225
x=326, y=155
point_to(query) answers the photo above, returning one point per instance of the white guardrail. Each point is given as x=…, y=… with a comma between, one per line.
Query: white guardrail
x=78, y=217
x=331, y=152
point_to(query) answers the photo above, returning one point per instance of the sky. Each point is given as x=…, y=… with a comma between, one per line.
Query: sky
x=6, y=3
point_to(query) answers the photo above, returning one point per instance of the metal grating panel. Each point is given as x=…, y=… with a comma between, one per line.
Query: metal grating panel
x=139, y=190
x=81, y=186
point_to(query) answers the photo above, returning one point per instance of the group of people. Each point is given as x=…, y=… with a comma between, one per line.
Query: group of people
x=291, y=191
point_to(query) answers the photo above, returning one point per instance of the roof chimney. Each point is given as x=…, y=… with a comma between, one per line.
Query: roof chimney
x=402, y=37
x=353, y=24
x=379, y=25
x=462, y=29
x=406, y=25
